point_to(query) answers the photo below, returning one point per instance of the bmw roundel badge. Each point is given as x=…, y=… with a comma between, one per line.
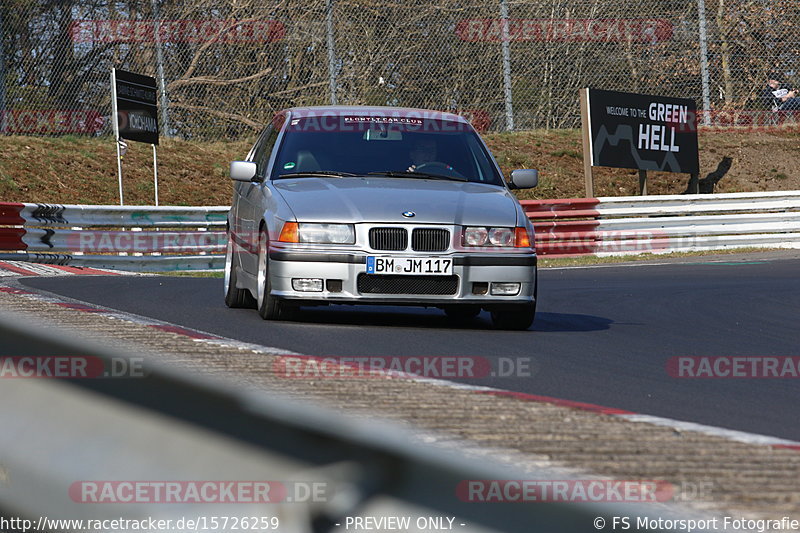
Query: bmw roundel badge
x=409, y=214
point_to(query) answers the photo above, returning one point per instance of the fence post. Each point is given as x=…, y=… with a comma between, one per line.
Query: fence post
x=2, y=77
x=701, y=17
x=507, y=66
x=160, y=66
x=331, y=50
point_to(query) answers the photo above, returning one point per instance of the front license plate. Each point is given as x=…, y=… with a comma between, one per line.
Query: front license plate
x=427, y=266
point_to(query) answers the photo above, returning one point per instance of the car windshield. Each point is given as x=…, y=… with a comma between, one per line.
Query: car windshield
x=338, y=146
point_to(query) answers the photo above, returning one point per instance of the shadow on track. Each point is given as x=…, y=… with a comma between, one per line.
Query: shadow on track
x=553, y=322
x=405, y=317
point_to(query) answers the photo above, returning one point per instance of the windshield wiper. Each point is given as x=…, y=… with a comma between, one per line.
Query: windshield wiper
x=318, y=174
x=417, y=175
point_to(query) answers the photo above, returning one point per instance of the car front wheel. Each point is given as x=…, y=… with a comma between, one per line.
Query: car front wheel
x=269, y=307
x=515, y=317
x=462, y=312
x=235, y=297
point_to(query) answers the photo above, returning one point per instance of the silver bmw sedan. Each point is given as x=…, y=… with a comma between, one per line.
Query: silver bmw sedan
x=379, y=205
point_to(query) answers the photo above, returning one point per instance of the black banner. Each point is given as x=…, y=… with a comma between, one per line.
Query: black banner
x=644, y=132
x=137, y=107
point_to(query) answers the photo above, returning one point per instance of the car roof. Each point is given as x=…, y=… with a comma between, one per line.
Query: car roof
x=405, y=112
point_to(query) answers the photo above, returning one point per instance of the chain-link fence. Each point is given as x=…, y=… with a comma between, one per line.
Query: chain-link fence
x=228, y=65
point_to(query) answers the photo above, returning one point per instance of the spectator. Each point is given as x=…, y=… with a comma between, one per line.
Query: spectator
x=779, y=97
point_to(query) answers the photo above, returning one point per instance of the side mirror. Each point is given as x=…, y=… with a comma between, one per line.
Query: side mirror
x=243, y=170
x=524, y=178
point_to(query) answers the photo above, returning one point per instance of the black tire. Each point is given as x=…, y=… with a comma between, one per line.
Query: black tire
x=235, y=297
x=269, y=307
x=514, y=317
x=462, y=312
x=519, y=316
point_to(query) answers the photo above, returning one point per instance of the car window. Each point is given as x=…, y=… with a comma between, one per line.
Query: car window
x=483, y=166
x=266, y=142
x=438, y=147
x=258, y=149
x=265, y=150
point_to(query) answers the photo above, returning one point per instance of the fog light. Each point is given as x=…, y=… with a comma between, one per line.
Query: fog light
x=505, y=289
x=307, y=284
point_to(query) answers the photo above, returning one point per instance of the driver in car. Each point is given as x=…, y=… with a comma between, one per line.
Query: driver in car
x=423, y=154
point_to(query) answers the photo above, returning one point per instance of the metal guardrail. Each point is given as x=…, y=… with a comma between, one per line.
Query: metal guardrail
x=663, y=224
x=193, y=238
x=136, y=238
x=169, y=425
x=111, y=215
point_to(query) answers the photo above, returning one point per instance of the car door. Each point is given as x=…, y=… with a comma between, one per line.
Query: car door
x=253, y=201
x=236, y=224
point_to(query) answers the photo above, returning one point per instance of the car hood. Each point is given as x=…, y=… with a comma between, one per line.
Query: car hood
x=376, y=199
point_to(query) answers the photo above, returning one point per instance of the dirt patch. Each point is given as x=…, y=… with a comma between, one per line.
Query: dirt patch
x=83, y=170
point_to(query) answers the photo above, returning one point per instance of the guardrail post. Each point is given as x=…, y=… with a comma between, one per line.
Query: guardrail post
x=161, y=81
x=331, y=50
x=701, y=17
x=2, y=78
x=506, y=45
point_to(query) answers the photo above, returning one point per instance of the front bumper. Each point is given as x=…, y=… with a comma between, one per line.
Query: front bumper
x=469, y=268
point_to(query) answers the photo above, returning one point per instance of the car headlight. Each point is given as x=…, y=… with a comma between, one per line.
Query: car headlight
x=500, y=237
x=475, y=236
x=304, y=232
